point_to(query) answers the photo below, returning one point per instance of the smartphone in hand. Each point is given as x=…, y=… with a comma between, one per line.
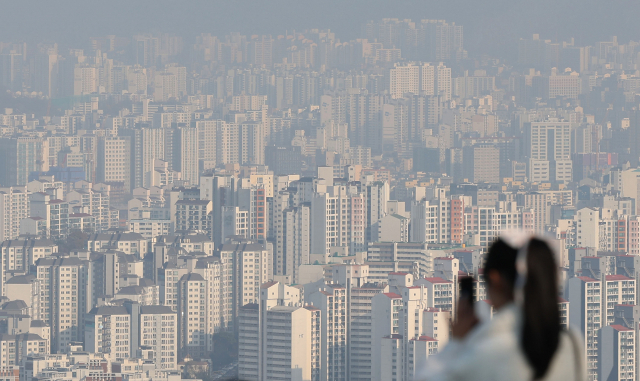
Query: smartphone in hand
x=465, y=318
x=467, y=292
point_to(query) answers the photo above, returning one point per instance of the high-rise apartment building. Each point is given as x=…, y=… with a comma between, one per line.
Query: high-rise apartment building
x=193, y=215
x=165, y=87
x=228, y=143
x=296, y=240
x=152, y=148
x=444, y=41
x=338, y=220
x=419, y=79
x=251, y=143
x=93, y=202
x=193, y=335
x=114, y=166
x=14, y=207
x=27, y=289
x=172, y=275
x=360, y=325
x=587, y=292
x=11, y=71
x=405, y=79
x=443, y=82
x=245, y=266
x=180, y=73
x=20, y=157
x=158, y=329
x=548, y=148
x=14, y=349
x=482, y=163
x=185, y=154
x=565, y=85
x=290, y=224
x=332, y=303
x=46, y=75
x=484, y=224
x=107, y=330
x=617, y=353
x=19, y=255
x=398, y=359
x=278, y=338
x=540, y=205
x=396, y=316
x=54, y=214
x=399, y=252
x=66, y=298
x=439, y=219
x=261, y=51
x=253, y=199
x=85, y=80
x=619, y=290
x=207, y=142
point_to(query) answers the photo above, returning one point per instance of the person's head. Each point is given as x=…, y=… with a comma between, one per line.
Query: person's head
x=500, y=273
x=541, y=317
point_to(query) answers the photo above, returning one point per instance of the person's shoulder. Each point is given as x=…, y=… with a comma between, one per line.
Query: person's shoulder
x=568, y=358
x=493, y=340
x=499, y=358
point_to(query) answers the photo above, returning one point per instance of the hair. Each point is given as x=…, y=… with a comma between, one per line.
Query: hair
x=540, y=335
x=502, y=258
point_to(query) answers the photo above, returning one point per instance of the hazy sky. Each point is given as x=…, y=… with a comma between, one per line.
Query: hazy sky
x=488, y=24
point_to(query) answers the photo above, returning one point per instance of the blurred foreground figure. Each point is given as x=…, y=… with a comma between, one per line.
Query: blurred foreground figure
x=524, y=340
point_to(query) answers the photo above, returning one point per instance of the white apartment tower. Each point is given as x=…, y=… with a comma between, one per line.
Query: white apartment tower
x=228, y=146
x=359, y=355
x=251, y=143
x=398, y=357
x=548, y=147
x=396, y=316
x=296, y=240
x=192, y=317
x=419, y=79
x=617, y=353
x=443, y=82
x=619, y=289
x=169, y=289
x=107, y=330
x=186, y=162
x=587, y=228
x=245, y=266
x=27, y=289
x=332, y=302
x=165, y=87
x=14, y=207
x=180, y=73
x=85, y=80
x=66, y=298
x=114, y=155
x=207, y=141
x=158, y=329
x=339, y=220
x=153, y=143
x=587, y=292
x=211, y=270
x=278, y=338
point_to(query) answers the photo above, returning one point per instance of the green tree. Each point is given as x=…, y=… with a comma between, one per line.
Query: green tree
x=225, y=350
x=197, y=375
x=76, y=241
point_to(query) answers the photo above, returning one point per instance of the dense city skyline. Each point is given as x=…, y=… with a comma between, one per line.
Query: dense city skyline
x=292, y=190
